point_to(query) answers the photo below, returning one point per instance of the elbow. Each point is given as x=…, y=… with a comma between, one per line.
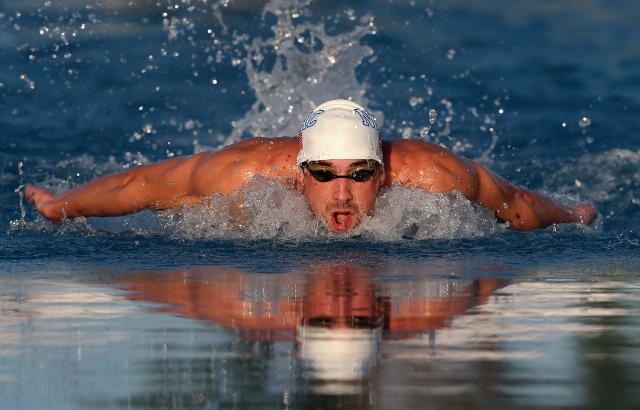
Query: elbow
x=130, y=179
x=129, y=194
x=523, y=219
x=520, y=214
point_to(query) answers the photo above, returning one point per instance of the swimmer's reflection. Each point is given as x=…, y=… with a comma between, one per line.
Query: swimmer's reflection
x=340, y=329
x=335, y=314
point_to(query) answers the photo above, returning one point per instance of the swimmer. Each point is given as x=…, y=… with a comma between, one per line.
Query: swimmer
x=339, y=164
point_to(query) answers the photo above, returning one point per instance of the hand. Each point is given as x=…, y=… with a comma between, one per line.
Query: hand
x=42, y=200
x=585, y=213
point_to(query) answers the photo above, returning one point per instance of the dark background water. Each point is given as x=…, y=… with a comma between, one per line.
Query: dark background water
x=81, y=83
x=546, y=94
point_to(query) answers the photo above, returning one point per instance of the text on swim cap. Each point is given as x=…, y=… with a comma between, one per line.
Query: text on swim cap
x=310, y=121
x=367, y=118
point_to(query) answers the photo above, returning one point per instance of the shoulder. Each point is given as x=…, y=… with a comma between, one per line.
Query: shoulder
x=224, y=170
x=420, y=164
x=397, y=149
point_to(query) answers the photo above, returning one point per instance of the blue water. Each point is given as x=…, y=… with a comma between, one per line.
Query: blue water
x=547, y=95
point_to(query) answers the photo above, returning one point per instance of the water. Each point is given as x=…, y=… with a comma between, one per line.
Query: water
x=189, y=310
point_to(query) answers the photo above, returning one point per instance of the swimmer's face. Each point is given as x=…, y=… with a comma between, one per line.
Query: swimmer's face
x=340, y=300
x=342, y=202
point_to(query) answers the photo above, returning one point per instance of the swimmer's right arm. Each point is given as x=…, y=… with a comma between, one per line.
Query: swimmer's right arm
x=168, y=184
x=159, y=186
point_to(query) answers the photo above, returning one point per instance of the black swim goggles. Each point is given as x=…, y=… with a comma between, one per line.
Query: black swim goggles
x=321, y=173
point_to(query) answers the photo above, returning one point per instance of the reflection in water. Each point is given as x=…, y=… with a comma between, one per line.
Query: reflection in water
x=335, y=315
x=330, y=336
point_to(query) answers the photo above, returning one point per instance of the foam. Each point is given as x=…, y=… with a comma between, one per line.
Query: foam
x=271, y=210
x=310, y=67
x=262, y=209
x=609, y=179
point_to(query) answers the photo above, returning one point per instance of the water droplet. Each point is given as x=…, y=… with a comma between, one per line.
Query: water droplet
x=451, y=54
x=413, y=101
x=30, y=83
x=584, y=122
x=433, y=116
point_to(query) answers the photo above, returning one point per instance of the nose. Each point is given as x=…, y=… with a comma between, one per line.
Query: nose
x=342, y=190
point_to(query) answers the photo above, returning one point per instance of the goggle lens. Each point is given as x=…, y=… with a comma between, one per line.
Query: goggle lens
x=362, y=175
x=322, y=175
x=326, y=175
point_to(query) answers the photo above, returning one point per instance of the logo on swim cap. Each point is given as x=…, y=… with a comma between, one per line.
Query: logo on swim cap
x=339, y=129
x=368, y=119
x=310, y=121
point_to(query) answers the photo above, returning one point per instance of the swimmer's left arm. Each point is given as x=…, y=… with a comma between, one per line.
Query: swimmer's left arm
x=418, y=164
x=524, y=209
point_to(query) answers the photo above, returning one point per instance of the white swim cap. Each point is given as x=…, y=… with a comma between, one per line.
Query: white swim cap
x=338, y=354
x=339, y=129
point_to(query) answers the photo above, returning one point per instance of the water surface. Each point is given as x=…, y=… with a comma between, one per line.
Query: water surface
x=431, y=302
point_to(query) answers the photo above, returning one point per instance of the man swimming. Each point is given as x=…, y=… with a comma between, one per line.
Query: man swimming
x=339, y=164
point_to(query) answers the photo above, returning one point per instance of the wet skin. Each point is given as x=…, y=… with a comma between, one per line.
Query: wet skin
x=342, y=203
x=190, y=180
x=331, y=296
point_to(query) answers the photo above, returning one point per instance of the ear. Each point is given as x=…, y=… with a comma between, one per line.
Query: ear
x=381, y=177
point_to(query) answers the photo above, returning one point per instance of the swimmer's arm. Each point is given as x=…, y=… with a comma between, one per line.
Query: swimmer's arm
x=169, y=184
x=418, y=164
x=522, y=208
x=164, y=185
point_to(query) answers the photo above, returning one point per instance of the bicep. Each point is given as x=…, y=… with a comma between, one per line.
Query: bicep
x=455, y=173
x=416, y=164
x=164, y=185
x=222, y=172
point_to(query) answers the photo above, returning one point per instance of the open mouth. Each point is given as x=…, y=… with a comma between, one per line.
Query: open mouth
x=341, y=220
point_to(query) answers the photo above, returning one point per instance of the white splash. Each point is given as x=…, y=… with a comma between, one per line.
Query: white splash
x=404, y=213
x=262, y=209
x=266, y=209
x=310, y=67
x=609, y=178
